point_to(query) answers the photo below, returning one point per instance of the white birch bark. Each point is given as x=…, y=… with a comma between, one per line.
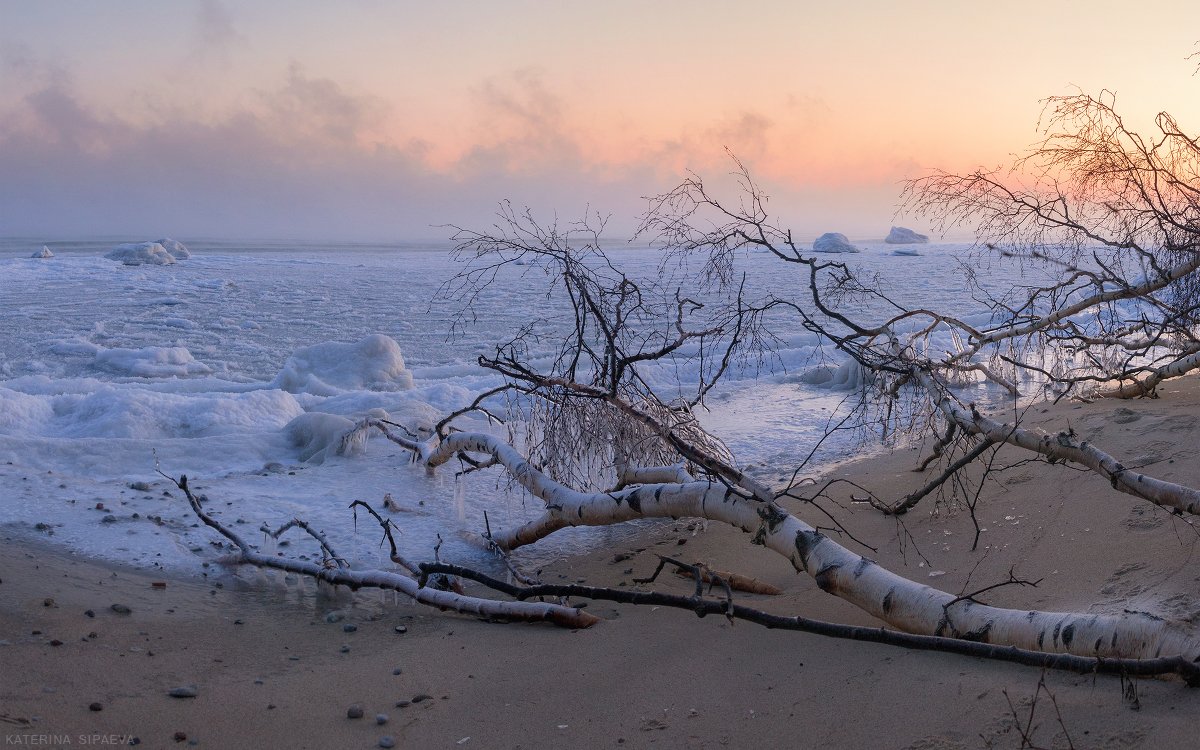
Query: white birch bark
x=897, y=601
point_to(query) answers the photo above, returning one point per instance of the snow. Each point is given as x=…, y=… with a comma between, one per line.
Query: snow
x=904, y=236
x=833, y=242
x=244, y=368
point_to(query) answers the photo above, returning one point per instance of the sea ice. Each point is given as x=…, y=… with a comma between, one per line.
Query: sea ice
x=43, y=253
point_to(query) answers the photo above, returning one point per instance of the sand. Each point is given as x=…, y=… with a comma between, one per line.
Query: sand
x=275, y=666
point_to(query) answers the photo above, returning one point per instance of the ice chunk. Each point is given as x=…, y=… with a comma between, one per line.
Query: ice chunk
x=904, y=236
x=43, y=253
x=151, y=362
x=176, y=248
x=374, y=363
x=318, y=435
x=833, y=242
x=138, y=253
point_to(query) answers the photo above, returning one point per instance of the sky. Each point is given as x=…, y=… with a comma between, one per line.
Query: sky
x=373, y=120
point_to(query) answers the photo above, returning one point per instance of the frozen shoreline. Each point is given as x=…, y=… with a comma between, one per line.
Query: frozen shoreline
x=112, y=372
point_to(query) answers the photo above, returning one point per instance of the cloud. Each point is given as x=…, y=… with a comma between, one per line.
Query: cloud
x=215, y=32
x=308, y=158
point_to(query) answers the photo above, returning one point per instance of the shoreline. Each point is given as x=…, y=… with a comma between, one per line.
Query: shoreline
x=277, y=666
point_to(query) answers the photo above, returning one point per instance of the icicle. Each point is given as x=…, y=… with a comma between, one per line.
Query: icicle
x=268, y=544
x=460, y=499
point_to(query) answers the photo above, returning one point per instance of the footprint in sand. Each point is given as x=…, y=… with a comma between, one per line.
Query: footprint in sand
x=1124, y=415
x=1143, y=518
x=1173, y=423
x=1118, y=588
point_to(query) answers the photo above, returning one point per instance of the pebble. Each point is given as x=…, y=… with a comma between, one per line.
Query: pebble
x=180, y=736
x=90, y=613
x=349, y=627
x=422, y=697
x=381, y=719
x=334, y=617
x=354, y=712
x=345, y=649
x=110, y=518
x=401, y=629
x=95, y=707
x=183, y=691
x=387, y=741
x=139, y=486
x=397, y=670
x=120, y=609
x=402, y=704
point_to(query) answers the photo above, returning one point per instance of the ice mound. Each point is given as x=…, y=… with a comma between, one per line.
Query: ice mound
x=833, y=242
x=151, y=362
x=905, y=252
x=139, y=413
x=847, y=376
x=372, y=364
x=176, y=248
x=43, y=253
x=319, y=435
x=139, y=253
x=904, y=236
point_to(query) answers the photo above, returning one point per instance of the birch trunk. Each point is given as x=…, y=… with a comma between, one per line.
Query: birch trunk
x=897, y=601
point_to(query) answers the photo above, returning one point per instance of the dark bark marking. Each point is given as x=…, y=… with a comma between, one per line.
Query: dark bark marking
x=887, y=600
x=825, y=576
x=980, y=635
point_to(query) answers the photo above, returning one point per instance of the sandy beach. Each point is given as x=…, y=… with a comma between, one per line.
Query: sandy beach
x=279, y=666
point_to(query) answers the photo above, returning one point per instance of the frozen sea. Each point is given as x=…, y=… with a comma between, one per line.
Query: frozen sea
x=110, y=371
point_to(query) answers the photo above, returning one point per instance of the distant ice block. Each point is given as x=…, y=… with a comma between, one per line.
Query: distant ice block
x=833, y=242
x=905, y=251
x=138, y=253
x=904, y=236
x=176, y=248
x=372, y=364
x=43, y=253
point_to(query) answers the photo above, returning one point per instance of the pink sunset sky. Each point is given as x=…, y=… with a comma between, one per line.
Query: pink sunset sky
x=372, y=120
